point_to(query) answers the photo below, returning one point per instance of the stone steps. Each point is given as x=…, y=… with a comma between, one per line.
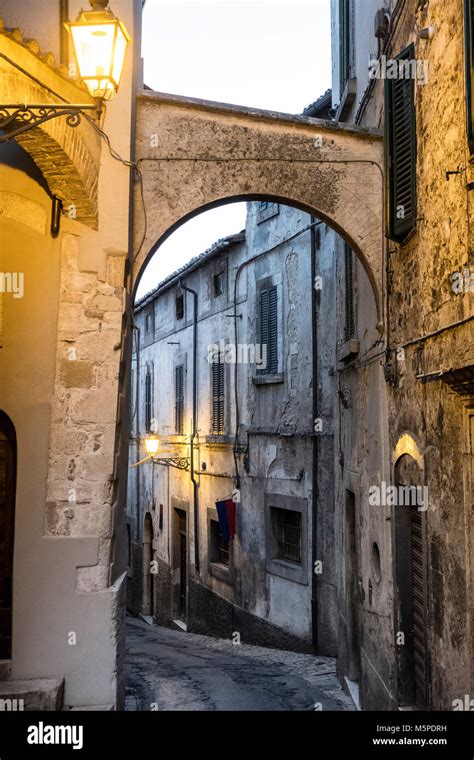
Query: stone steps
x=32, y=694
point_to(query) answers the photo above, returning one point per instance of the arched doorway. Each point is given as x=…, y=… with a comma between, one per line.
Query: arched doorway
x=411, y=584
x=8, y=457
x=147, y=605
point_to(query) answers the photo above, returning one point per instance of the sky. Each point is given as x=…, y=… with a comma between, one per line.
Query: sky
x=271, y=54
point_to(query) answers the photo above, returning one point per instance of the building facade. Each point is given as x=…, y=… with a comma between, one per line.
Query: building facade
x=392, y=404
x=64, y=244
x=406, y=637
x=254, y=442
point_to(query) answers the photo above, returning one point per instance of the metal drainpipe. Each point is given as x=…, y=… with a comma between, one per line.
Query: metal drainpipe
x=315, y=490
x=194, y=425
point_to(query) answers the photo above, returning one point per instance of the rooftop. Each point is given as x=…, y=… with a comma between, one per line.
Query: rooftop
x=216, y=248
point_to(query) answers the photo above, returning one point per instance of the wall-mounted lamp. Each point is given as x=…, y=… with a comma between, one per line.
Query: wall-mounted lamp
x=152, y=443
x=100, y=41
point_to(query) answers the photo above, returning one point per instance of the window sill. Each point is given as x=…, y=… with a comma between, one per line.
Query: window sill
x=347, y=100
x=224, y=440
x=220, y=571
x=348, y=350
x=174, y=439
x=268, y=379
x=288, y=570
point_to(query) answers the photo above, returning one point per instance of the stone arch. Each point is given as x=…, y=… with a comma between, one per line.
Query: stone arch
x=407, y=444
x=195, y=155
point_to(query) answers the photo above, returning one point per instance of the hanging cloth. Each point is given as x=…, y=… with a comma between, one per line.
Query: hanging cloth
x=226, y=514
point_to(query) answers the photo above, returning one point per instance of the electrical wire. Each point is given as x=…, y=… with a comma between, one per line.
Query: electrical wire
x=131, y=165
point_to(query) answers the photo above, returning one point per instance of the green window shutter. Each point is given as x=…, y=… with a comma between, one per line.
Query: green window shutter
x=179, y=399
x=148, y=401
x=349, y=293
x=345, y=43
x=400, y=127
x=272, y=331
x=469, y=58
x=217, y=369
x=269, y=329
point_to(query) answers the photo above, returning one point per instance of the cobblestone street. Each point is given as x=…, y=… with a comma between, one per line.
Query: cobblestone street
x=174, y=670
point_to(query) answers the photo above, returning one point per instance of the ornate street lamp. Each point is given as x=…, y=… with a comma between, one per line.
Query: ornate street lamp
x=100, y=41
x=152, y=444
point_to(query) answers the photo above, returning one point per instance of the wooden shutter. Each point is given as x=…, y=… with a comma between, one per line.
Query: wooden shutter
x=349, y=293
x=400, y=123
x=269, y=328
x=345, y=43
x=469, y=59
x=419, y=600
x=179, y=399
x=218, y=396
x=148, y=401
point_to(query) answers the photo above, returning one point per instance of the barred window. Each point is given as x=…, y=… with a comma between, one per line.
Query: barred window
x=286, y=526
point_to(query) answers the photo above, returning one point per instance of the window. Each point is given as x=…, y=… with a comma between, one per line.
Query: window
x=349, y=329
x=180, y=307
x=266, y=210
x=148, y=399
x=148, y=323
x=269, y=329
x=469, y=58
x=219, y=549
x=219, y=283
x=179, y=399
x=346, y=44
x=217, y=370
x=400, y=129
x=286, y=526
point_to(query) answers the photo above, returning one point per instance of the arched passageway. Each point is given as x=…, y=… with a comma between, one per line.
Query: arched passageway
x=194, y=155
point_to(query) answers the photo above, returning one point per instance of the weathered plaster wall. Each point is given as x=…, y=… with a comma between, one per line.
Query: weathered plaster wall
x=441, y=246
x=62, y=378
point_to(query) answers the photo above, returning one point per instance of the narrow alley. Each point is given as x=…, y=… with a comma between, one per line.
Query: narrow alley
x=174, y=670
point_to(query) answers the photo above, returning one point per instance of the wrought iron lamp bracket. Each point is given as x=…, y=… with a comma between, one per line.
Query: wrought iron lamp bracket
x=179, y=463
x=17, y=119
